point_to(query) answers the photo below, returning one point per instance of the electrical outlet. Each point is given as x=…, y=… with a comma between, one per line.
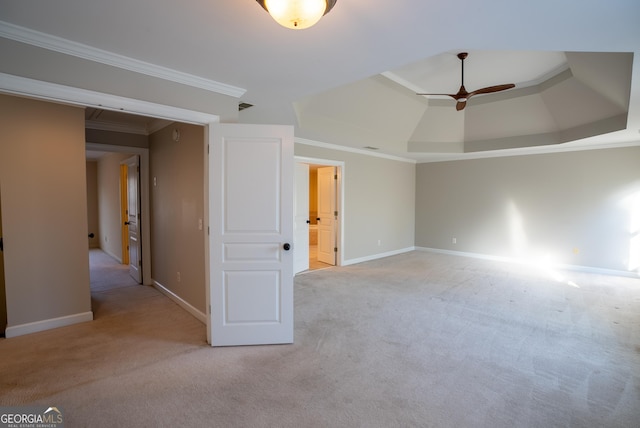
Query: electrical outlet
x=379, y=242
x=454, y=240
x=199, y=224
x=178, y=276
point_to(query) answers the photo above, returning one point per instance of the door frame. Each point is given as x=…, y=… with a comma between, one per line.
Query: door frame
x=56, y=93
x=339, y=198
x=145, y=203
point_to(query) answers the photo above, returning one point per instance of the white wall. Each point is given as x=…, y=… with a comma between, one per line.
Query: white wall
x=573, y=207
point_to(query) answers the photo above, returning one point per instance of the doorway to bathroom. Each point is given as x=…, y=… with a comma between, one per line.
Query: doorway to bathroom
x=318, y=214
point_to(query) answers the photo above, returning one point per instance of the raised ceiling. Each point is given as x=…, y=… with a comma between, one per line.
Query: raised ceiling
x=560, y=97
x=351, y=79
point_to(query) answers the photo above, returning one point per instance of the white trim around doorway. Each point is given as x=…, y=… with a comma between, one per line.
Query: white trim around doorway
x=339, y=197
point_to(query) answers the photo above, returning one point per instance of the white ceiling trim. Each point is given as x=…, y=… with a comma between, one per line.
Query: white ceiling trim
x=350, y=149
x=146, y=130
x=68, y=47
x=116, y=127
x=23, y=86
x=538, y=150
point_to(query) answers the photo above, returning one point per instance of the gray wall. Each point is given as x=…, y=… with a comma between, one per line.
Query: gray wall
x=44, y=210
x=379, y=202
x=177, y=206
x=572, y=207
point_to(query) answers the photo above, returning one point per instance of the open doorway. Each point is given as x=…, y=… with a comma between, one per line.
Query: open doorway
x=109, y=170
x=318, y=217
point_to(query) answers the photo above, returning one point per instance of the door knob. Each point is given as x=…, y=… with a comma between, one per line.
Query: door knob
x=286, y=246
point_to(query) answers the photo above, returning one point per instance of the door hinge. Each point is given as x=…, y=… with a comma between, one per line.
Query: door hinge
x=335, y=213
x=207, y=149
x=208, y=230
x=209, y=309
x=335, y=249
x=1, y=244
x=335, y=177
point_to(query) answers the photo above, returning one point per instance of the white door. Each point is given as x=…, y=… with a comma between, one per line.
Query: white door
x=327, y=216
x=133, y=217
x=251, y=231
x=301, y=219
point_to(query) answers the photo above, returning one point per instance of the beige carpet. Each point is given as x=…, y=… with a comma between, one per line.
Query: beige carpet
x=416, y=340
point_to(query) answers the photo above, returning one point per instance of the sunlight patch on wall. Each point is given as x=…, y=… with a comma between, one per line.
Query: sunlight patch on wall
x=517, y=235
x=632, y=204
x=544, y=260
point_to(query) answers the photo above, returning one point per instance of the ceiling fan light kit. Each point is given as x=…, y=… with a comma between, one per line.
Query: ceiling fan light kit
x=463, y=96
x=297, y=14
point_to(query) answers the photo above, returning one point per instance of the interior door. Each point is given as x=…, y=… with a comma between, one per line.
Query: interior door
x=133, y=217
x=327, y=216
x=251, y=230
x=301, y=219
x=124, y=212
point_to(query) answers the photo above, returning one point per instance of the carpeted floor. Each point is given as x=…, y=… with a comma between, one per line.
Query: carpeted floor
x=416, y=340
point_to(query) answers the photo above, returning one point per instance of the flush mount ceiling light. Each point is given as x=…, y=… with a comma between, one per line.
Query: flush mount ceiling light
x=297, y=14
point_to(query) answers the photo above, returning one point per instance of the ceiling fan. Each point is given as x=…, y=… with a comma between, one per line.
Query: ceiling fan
x=462, y=96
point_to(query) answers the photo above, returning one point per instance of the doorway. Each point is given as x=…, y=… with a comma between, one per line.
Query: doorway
x=319, y=214
x=112, y=234
x=130, y=215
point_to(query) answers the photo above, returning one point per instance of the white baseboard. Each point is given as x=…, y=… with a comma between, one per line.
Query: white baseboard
x=181, y=302
x=576, y=268
x=34, y=327
x=377, y=256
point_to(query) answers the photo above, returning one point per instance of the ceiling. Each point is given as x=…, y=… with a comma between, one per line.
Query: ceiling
x=351, y=79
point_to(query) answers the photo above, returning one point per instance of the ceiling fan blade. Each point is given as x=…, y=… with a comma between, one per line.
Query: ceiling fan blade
x=444, y=95
x=462, y=96
x=490, y=89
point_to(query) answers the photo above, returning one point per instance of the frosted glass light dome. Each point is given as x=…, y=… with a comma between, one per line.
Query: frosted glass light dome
x=296, y=14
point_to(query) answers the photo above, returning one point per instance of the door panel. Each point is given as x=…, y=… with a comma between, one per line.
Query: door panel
x=133, y=217
x=251, y=212
x=301, y=219
x=327, y=215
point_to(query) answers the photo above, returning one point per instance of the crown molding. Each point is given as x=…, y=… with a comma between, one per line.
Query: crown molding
x=351, y=150
x=26, y=87
x=68, y=47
